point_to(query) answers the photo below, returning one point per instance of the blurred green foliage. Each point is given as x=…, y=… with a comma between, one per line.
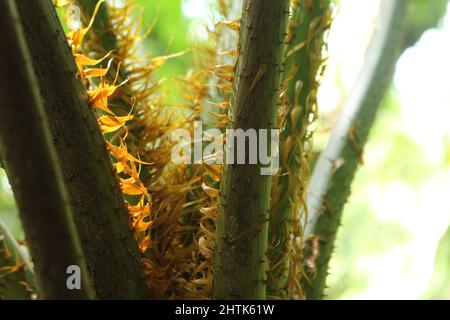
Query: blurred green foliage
x=422, y=15
x=440, y=283
x=169, y=32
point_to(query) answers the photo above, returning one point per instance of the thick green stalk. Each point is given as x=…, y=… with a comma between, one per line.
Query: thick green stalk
x=330, y=184
x=303, y=64
x=242, y=226
x=99, y=210
x=14, y=284
x=33, y=170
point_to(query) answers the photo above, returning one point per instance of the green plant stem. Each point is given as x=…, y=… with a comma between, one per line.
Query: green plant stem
x=33, y=170
x=14, y=285
x=100, y=214
x=330, y=184
x=242, y=225
x=304, y=60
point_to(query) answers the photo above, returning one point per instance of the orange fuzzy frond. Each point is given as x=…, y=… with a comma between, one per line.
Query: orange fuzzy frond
x=127, y=166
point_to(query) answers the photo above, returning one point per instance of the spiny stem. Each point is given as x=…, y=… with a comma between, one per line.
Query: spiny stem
x=112, y=256
x=32, y=167
x=333, y=174
x=303, y=65
x=242, y=228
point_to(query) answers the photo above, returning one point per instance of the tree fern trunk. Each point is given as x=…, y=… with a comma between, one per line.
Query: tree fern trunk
x=14, y=285
x=330, y=184
x=99, y=211
x=242, y=226
x=33, y=169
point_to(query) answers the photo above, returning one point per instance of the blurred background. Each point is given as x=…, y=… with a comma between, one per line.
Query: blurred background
x=395, y=239
x=393, y=242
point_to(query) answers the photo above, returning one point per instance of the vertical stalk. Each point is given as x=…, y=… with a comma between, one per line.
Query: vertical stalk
x=330, y=184
x=242, y=226
x=99, y=210
x=303, y=65
x=33, y=168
